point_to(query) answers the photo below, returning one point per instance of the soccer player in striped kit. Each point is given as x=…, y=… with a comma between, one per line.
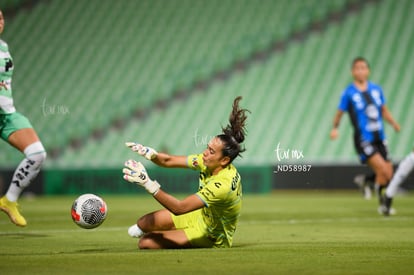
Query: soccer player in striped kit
x=365, y=103
x=16, y=130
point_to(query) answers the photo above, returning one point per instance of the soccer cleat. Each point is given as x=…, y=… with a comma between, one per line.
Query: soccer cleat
x=11, y=209
x=135, y=232
x=383, y=210
x=384, y=202
x=385, y=206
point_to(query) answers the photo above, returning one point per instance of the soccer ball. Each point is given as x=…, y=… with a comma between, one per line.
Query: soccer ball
x=89, y=211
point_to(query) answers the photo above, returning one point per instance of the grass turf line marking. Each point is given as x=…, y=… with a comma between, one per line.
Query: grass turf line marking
x=329, y=220
x=251, y=222
x=52, y=231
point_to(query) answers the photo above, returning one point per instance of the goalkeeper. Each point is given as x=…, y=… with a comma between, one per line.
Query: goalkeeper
x=207, y=218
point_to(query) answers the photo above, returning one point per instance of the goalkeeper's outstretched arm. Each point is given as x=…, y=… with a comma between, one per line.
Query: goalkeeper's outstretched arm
x=135, y=172
x=166, y=160
x=161, y=159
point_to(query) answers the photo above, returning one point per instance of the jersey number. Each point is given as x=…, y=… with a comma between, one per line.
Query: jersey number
x=235, y=186
x=9, y=64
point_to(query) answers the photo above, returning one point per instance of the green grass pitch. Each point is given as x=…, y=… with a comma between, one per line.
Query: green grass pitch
x=312, y=232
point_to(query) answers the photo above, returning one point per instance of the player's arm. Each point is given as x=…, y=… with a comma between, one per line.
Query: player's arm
x=166, y=160
x=389, y=118
x=336, y=121
x=179, y=207
x=135, y=172
x=161, y=159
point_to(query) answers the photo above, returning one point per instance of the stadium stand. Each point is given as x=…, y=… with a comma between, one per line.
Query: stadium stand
x=164, y=73
x=8, y=5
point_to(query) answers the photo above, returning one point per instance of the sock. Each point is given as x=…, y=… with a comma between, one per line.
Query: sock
x=135, y=232
x=27, y=170
x=387, y=202
x=403, y=170
x=378, y=191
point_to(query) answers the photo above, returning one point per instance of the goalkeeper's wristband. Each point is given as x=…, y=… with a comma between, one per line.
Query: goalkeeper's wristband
x=152, y=186
x=150, y=153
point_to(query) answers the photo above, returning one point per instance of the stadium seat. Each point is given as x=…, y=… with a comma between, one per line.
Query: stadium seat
x=103, y=71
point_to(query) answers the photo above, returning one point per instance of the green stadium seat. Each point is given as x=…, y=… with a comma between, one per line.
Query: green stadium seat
x=156, y=48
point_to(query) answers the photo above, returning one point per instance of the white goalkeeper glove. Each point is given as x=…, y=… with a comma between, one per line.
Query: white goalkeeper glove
x=135, y=172
x=147, y=152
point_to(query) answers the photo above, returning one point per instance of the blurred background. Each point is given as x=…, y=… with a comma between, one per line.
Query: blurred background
x=92, y=74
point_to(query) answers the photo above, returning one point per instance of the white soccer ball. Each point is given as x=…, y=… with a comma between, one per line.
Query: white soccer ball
x=89, y=211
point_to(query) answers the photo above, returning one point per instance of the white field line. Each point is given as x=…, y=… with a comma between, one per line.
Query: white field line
x=330, y=220
x=57, y=231
x=251, y=222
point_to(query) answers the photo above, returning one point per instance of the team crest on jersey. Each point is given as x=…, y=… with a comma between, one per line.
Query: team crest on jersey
x=377, y=96
x=358, y=101
x=194, y=162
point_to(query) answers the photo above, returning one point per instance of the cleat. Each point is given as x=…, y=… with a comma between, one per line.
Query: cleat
x=134, y=231
x=385, y=206
x=11, y=209
x=383, y=210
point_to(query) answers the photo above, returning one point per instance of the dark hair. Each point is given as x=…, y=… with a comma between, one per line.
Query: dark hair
x=234, y=133
x=359, y=59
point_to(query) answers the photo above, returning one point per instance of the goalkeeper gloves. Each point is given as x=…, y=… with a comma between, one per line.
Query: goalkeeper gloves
x=147, y=152
x=135, y=172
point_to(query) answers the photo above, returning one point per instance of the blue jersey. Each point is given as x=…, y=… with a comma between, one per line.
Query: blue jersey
x=365, y=111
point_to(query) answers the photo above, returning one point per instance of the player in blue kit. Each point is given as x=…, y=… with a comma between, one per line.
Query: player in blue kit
x=365, y=103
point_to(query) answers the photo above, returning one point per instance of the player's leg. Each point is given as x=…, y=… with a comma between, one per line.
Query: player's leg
x=189, y=231
x=383, y=174
x=164, y=239
x=156, y=221
x=27, y=142
x=365, y=150
x=403, y=170
x=382, y=168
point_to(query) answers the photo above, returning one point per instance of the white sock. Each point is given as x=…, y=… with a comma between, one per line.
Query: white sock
x=135, y=232
x=403, y=170
x=27, y=170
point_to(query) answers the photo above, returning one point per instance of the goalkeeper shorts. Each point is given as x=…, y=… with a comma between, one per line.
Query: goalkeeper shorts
x=194, y=228
x=9, y=123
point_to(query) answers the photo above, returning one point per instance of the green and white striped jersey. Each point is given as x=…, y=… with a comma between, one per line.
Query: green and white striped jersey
x=6, y=72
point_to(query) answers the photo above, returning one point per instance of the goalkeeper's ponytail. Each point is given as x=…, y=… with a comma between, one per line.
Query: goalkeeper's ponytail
x=234, y=133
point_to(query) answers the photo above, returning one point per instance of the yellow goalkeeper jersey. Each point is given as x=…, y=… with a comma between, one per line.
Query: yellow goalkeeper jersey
x=222, y=195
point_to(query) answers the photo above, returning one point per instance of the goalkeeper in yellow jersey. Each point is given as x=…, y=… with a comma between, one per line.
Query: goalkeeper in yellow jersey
x=207, y=218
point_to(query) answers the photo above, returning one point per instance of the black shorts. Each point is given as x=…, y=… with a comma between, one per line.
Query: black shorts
x=367, y=149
